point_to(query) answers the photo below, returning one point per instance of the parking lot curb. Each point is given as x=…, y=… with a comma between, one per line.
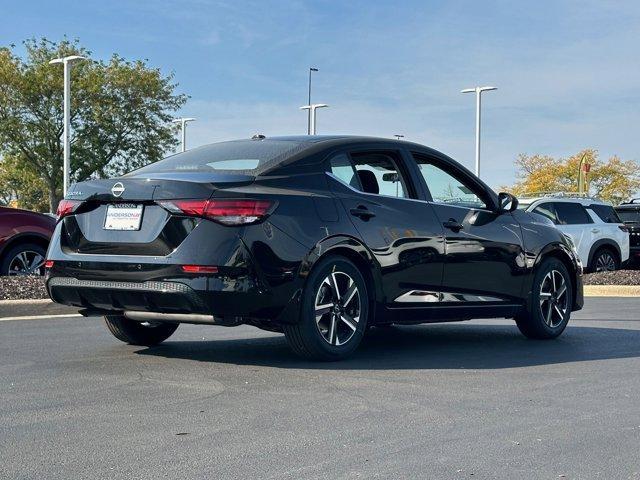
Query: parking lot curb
x=612, y=291
x=33, y=307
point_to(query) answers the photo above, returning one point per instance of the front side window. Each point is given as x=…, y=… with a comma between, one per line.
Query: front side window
x=571, y=214
x=447, y=188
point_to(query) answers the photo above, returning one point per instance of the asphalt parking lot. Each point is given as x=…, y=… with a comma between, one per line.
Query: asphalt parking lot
x=443, y=401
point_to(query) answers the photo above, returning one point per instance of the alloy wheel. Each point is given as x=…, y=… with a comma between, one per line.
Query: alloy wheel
x=26, y=262
x=553, y=298
x=337, y=308
x=605, y=262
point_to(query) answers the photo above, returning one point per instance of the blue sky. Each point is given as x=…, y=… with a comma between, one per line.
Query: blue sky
x=567, y=72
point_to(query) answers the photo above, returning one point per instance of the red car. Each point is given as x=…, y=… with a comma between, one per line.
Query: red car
x=24, y=238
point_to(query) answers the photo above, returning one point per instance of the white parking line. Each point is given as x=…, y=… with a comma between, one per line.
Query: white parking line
x=39, y=317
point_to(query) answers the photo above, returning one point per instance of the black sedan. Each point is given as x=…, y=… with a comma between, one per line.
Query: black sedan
x=317, y=237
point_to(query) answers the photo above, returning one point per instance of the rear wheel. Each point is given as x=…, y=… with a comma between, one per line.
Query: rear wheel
x=605, y=260
x=334, y=312
x=136, y=333
x=550, y=306
x=25, y=259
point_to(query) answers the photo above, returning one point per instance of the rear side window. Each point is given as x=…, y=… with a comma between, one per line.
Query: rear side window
x=370, y=172
x=571, y=214
x=547, y=210
x=606, y=213
x=342, y=168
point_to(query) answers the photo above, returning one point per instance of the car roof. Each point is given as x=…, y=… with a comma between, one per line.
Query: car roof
x=581, y=201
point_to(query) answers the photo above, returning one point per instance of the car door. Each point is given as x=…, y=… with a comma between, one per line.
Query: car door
x=483, y=248
x=403, y=233
x=573, y=219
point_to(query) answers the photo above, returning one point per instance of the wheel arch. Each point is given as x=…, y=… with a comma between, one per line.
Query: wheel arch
x=559, y=252
x=30, y=237
x=360, y=255
x=603, y=243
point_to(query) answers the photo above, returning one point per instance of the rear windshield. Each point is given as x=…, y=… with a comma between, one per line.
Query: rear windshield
x=629, y=215
x=241, y=156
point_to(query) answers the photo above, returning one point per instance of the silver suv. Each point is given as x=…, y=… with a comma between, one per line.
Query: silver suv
x=600, y=237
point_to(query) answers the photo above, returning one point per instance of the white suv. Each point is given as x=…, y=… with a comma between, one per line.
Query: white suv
x=600, y=237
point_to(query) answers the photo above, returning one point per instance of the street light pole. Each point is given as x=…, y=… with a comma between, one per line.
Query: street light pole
x=309, y=129
x=312, y=115
x=398, y=136
x=66, y=144
x=478, y=91
x=183, y=127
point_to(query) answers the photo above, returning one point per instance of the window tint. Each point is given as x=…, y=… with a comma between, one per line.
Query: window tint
x=606, y=213
x=571, y=214
x=446, y=188
x=341, y=167
x=546, y=210
x=378, y=173
x=248, y=156
x=628, y=215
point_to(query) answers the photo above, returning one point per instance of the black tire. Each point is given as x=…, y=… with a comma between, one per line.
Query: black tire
x=604, y=260
x=340, y=328
x=13, y=253
x=534, y=323
x=135, y=333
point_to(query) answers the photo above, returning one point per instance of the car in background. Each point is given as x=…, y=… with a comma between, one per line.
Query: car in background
x=629, y=213
x=316, y=237
x=24, y=238
x=600, y=237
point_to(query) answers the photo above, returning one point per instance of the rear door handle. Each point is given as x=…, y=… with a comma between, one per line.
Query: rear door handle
x=362, y=212
x=595, y=230
x=452, y=224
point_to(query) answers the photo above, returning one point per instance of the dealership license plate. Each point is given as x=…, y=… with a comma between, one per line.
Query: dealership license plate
x=123, y=216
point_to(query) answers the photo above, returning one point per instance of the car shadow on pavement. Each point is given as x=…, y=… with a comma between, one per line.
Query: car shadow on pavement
x=441, y=346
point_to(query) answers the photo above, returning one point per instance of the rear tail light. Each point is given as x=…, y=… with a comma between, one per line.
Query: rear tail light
x=227, y=212
x=199, y=269
x=624, y=228
x=67, y=207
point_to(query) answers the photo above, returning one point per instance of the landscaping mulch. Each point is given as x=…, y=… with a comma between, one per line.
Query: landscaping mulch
x=619, y=277
x=22, y=288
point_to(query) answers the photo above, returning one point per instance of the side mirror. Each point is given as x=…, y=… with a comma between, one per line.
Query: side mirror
x=507, y=202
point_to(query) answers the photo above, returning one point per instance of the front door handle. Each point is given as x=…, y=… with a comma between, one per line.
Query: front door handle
x=452, y=224
x=362, y=212
x=595, y=230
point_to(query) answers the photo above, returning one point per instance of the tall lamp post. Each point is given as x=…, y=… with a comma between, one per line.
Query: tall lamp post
x=478, y=91
x=312, y=115
x=398, y=136
x=66, y=146
x=183, y=128
x=309, y=129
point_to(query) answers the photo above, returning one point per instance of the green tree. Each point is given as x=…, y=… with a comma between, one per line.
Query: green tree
x=120, y=113
x=613, y=180
x=20, y=187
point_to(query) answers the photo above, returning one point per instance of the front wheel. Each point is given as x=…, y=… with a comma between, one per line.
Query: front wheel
x=136, y=333
x=551, y=300
x=333, y=314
